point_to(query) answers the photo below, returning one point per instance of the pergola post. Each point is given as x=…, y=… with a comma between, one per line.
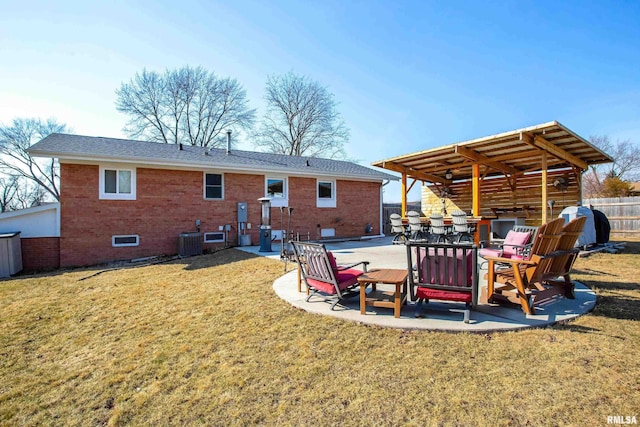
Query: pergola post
x=404, y=194
x=544, y=187
x=475, y=209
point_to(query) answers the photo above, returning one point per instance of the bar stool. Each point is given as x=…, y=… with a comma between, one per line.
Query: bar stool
x=415, y=227
x=438, y=229
x=461, y=228
x=398, y=229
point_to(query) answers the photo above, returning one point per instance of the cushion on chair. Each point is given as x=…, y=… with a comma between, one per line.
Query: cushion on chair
x=515, y=238
x=426, y=293
x=490, y=252
x=346, y=278
x=519, y=238
x=332, y=261
x=446, y=277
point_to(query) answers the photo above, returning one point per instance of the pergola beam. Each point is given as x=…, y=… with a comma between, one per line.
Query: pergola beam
x=549, y=147
x=482, y=159
x=421, y=176
x=543, y=186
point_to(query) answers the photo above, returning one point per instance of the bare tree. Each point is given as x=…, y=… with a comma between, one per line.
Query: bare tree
x=15, y=160
x=301, y=119
x=8, y=191
x=625, y=166
x=189, y=106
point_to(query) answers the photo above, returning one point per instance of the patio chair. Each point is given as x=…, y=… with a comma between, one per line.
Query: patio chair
x=443, y=271
x=517, y=283
x=398, y=229
x=437, y=228
x=563, y=263
x=461, y=228
x=415, y=226
x=322, y=275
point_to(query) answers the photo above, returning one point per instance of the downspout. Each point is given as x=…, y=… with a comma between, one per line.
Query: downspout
x=382, y=206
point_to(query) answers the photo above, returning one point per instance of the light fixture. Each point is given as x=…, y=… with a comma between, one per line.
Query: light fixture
x=448, y=174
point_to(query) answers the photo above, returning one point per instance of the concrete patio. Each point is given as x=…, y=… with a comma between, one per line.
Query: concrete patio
x=441, y=316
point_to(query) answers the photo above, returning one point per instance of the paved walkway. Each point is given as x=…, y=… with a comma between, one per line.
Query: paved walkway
x=442, y=316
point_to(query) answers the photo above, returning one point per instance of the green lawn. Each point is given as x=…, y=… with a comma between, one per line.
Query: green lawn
x=206, y=341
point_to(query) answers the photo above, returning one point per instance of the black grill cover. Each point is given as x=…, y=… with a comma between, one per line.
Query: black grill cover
x=603, y=228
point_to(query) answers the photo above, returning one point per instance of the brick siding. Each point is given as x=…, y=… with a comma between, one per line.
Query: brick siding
x=170, y=201
x=40, y=253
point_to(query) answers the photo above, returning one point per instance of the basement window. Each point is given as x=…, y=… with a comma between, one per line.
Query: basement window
x=125, y=240
x=214, y=237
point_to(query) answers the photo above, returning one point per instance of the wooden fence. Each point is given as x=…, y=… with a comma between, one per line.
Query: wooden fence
x=623, y=213
x=389, y=208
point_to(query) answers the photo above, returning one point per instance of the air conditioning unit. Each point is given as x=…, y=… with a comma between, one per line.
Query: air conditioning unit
x=189, y=244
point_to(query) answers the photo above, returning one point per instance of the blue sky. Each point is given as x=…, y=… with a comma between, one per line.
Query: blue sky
x=408, y=75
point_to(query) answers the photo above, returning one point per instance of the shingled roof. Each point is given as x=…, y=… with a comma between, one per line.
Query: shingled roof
x=98, y=149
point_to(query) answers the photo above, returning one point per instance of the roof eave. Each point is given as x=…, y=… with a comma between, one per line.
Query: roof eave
x=160, y=163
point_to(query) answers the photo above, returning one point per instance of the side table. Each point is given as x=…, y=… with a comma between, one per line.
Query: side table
x=389, y=299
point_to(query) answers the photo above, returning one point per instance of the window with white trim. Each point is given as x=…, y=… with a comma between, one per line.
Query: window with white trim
x=326, y=194
x=276, y=190
x=213, y=186
x=125, y=240
x=117, y=183
x=214, y=237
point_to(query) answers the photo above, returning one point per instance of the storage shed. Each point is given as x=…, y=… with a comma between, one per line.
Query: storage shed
x=10, y=254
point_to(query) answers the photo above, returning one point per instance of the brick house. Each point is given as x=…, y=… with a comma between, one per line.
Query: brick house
x=124, y=199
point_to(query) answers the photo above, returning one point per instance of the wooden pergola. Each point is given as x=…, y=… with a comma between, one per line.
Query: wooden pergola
x=519, y=169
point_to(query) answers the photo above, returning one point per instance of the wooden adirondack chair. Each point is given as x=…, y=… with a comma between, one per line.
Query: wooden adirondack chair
x=563, y=262
x=322, y=274
x=516, y=282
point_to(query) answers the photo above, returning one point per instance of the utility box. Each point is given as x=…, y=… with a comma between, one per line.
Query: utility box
x=245, y=240
x=242, y=212
x=10, y=254
x=190, y=244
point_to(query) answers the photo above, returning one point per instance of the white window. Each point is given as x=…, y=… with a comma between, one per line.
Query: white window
x=213, y=186
x=117, y=183
x=326, y=194
x=125, y=240
x=276, y=190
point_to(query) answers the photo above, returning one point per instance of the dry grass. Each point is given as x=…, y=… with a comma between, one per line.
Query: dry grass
x=205, y=341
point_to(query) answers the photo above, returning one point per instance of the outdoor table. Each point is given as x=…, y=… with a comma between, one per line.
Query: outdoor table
x=377, y=298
